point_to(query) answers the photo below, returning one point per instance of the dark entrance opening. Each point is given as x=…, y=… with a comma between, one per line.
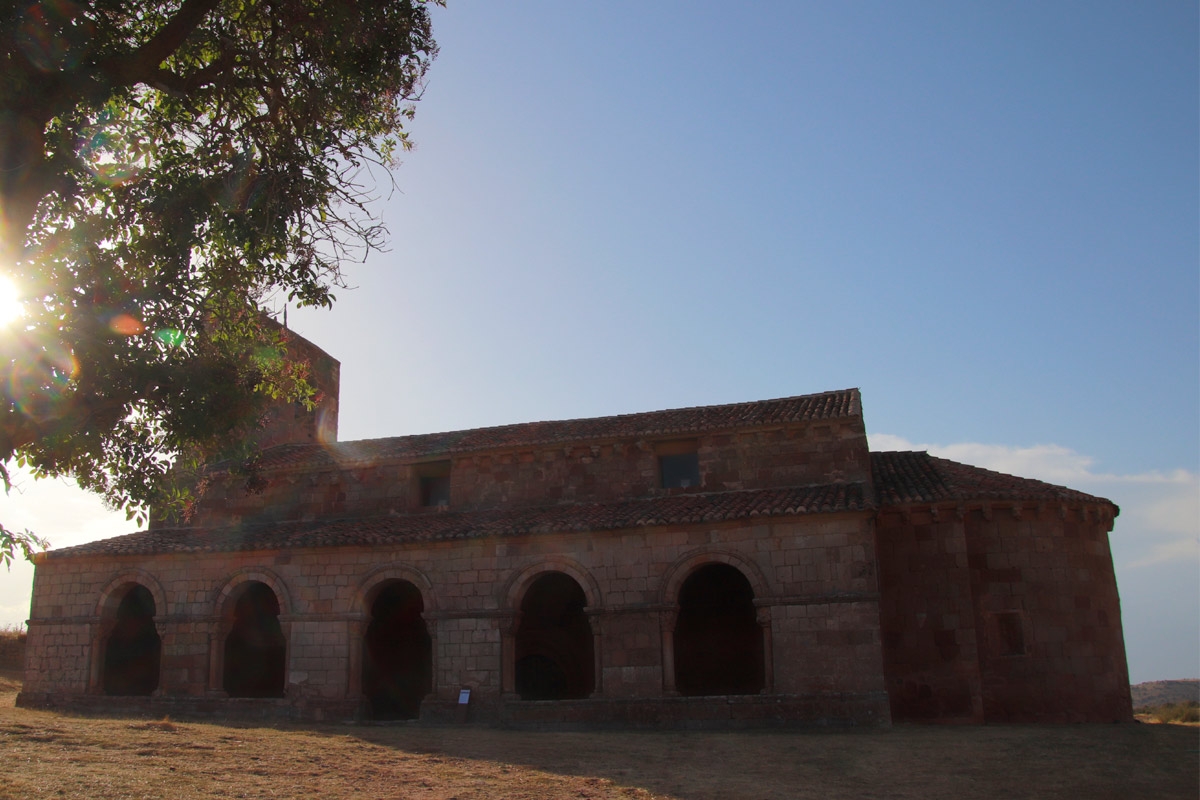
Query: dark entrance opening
x=133, y=648
x=554, y=641
x=718, y=642
x=255, y=650
x=397, y=654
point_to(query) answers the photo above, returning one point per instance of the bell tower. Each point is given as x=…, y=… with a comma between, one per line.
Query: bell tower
x=292, y=423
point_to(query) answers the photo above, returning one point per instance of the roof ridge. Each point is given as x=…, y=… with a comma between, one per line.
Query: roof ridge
x=836, y=404
x=602, y=418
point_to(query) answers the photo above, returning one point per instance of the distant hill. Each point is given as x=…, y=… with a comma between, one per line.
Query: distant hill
x=1156, y=693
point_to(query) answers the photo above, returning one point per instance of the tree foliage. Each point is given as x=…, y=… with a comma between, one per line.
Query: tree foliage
x=26, y=541
x=166, y=169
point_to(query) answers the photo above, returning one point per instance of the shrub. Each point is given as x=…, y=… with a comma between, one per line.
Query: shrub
x=1185, y=712
x=12, y=647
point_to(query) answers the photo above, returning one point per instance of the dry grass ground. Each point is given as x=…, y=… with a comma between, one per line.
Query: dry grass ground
x=50, y=755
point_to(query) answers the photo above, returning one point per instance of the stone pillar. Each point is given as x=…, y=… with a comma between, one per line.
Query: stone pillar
x=763, y=616
x=431, y=628
x=216, y=658
x=666, y=623
x=290, y=690
x=508, y=649
x=596, y=623
x=97, y=631
x=356, y=640
x=167, y=648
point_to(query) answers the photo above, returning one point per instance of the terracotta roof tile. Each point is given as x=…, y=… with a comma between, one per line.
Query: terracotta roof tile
x=917, y=477
x=439, y=526
x=679, y=421
x=899, y=478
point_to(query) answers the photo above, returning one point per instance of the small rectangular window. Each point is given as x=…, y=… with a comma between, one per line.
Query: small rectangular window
x=678, y=465
x=433, y=484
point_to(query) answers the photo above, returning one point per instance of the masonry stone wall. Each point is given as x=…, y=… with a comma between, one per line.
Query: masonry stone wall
x=1005, y=613
x=295, y=422
x=928, y=617
x=795, y=455
x=1046, y=604
x=876, y=587
x=814, y=587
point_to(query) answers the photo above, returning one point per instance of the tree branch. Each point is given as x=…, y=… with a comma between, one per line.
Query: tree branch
x=142, y=65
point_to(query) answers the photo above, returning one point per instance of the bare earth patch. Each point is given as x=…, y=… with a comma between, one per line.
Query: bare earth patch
x=50, y=755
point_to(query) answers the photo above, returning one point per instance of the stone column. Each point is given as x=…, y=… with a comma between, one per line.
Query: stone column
x=596, y=623
x=290, y=690
x=763, y=616
x=508, y=648
x=216, y=658
x=666, y=623
x=168, y=634
x=431, y=629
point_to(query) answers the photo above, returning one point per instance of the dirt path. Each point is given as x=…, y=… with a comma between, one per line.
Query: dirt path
x=51, y=755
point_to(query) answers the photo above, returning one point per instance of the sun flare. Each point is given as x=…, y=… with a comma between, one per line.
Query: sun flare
x=10, y=303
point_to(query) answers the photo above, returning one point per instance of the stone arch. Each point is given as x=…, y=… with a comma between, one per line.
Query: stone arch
x=109, y=597
x=359, y=623
x=126, y=645
x=554, y=648
x=529, y=640
x=374, y=580
x=248, y=656
x=397, y=651
x=721, y=646
x=686, y=564
x=221, y=603
x=516, y=586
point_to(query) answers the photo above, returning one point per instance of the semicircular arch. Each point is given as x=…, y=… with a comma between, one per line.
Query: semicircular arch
x=692, y=560
x=516, y=586
x=376, y=579
x=235, y=583
x=111, y=596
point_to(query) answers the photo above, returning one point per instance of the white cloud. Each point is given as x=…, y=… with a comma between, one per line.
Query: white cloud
x=1171, y=551
x=1160, y=511
x=1047, y=462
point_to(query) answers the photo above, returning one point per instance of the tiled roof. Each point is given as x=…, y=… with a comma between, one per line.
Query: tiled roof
x=917, y=477
x=437, y=526
x=899, y=478
x=679, y=421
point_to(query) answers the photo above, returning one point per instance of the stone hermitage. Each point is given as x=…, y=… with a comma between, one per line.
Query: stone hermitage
x=729, y=566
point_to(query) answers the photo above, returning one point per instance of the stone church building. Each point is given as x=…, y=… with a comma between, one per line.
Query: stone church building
x=736, y=565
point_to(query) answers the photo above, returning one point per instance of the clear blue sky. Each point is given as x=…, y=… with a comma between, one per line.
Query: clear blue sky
x=983, y=215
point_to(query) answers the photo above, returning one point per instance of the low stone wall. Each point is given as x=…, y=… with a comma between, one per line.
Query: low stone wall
x=815, y=710
x=241, y=708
